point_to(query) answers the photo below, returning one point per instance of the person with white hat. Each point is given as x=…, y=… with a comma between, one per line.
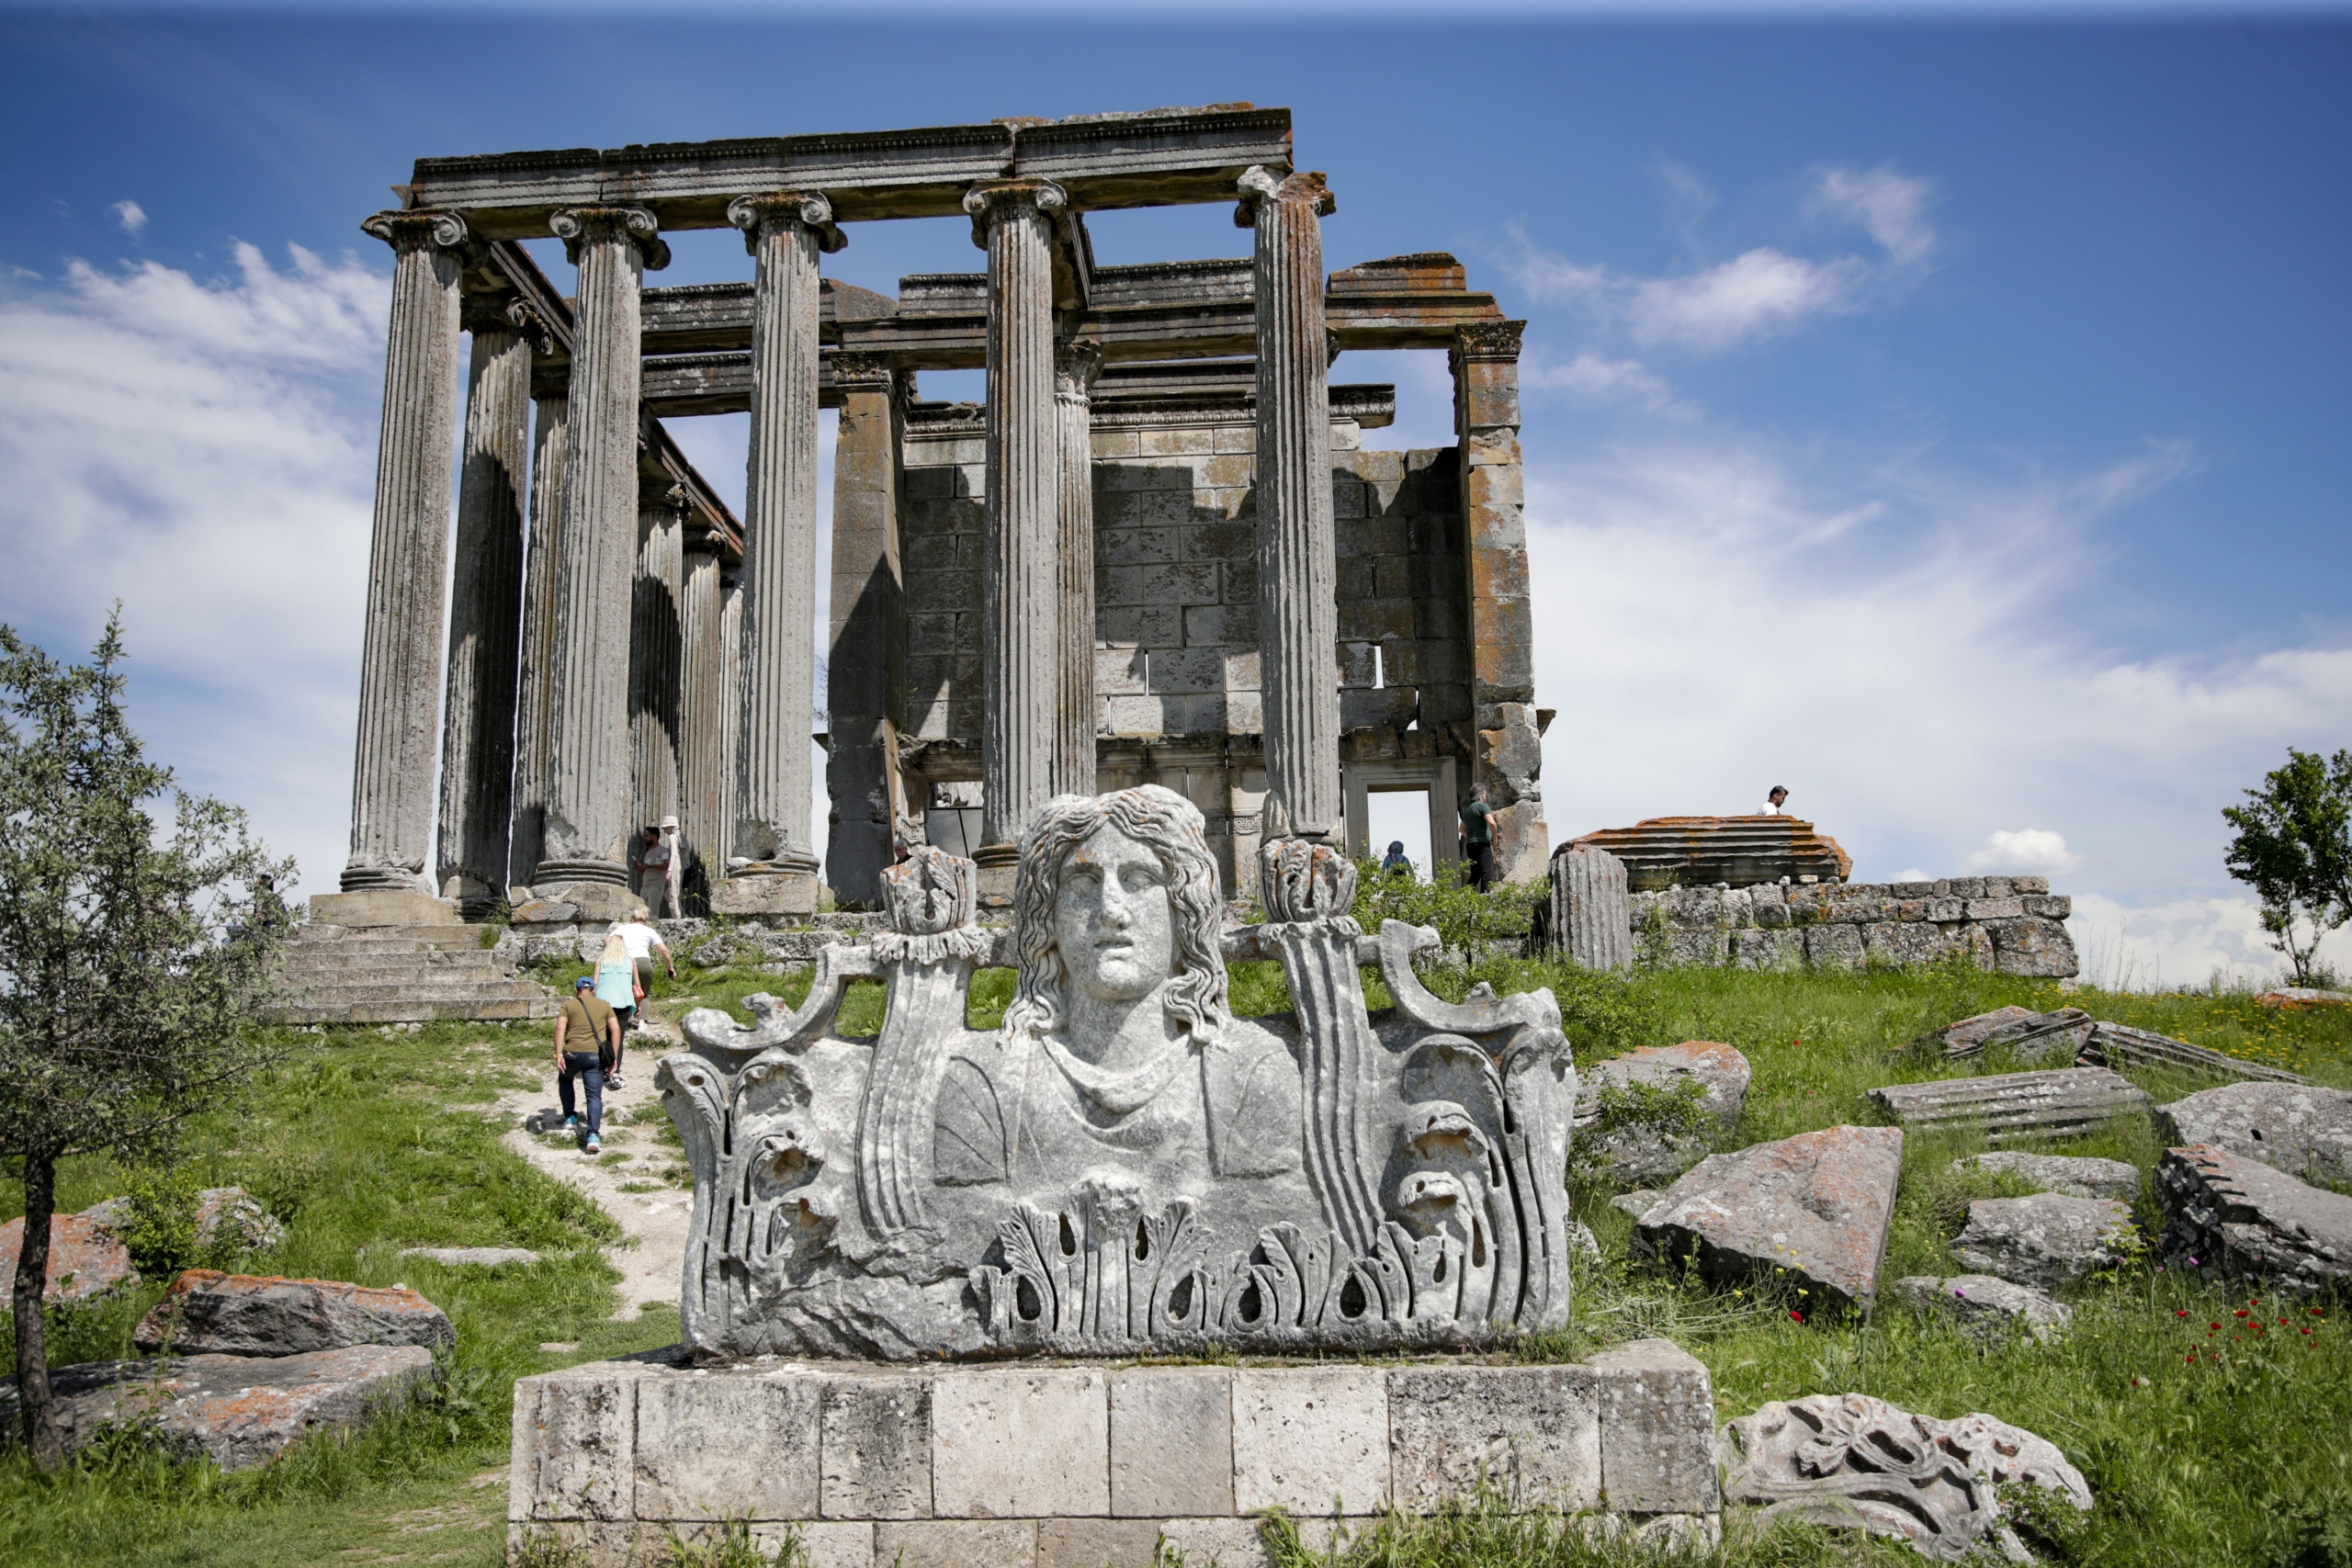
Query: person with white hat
x=653, y=866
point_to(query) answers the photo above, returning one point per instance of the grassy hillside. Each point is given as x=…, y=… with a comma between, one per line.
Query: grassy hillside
x=375, y=1141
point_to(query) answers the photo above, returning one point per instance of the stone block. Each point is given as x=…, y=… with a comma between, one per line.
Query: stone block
x=1097, y=1543
x=1310, y=1440
x=778, y=893
x=597, y=902
x=86, y=1260
x=1901, y=943
x=1186, y=671
x=2075, y=1175
x=727, y=1445
x=1834, y=947
x=1641, y=1153
x=1966, y=887
x=874, y=1448
x=1993, y=908
x=956, y=1543
x=1009, y=1443
x=2030, y=946
x=1180, y=582
x=209, y=1312
x=1712, y=948
x=1944, y=911
x=1531, y=1434
x=1817, y=1205
x=1240, y=1543
x=1171, y=1442
x=1987, y=1308
x=2301, y=1129
x=1767, y=948
x=2049, y=906
x=1657, y=1429
x=2239, y=1216
x=575, y=1438
x=1219, y=625
x=384, y=907
x=2044, y=1241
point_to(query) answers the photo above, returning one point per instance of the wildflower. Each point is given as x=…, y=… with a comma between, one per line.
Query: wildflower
x=1795, y=1316
x=1960, y=1293
x=2316, y=1313
x=2192, y=1263
x=2307, y=1331
x=2213, y=1328
x=2282, y=1322
x=2240, y=1312
x=2192, y=1361
x=2180, y=1312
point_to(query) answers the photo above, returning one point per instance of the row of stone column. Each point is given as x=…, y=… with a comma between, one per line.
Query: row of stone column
x=566, y=703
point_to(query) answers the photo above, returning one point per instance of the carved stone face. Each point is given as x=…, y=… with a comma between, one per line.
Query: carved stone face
x=1112, y=919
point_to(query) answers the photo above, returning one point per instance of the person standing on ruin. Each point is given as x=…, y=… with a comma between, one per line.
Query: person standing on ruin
x=1479, y=837
x=650, y=864
x=1775, y=801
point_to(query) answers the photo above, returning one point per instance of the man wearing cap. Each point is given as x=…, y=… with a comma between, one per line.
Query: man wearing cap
x=587, y=1036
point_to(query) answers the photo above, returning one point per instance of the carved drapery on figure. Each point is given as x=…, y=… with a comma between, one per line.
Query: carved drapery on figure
x=1123, y=1166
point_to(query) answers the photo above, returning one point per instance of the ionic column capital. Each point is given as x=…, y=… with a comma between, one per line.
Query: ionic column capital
x=527, y=320
x=415, y=230
x=1489, y=341
x=577, y=226
x=802, y=208
x=1258, y=184
x=997, y=200
x=1075, y=366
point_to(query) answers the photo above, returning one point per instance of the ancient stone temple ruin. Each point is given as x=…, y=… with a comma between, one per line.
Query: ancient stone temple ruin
x=1158, y=552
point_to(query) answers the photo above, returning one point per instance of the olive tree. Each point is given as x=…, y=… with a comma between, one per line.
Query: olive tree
x=134, y=957
x=2294, y=847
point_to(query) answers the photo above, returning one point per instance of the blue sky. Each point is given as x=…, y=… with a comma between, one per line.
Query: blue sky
x=1948, y=420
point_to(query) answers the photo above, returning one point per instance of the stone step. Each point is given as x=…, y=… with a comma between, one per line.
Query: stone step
x=412, y=1011
x=388, y=966
x=388, y=939
x=387, y=990
x=2009, y=1106
x=2117, y=1045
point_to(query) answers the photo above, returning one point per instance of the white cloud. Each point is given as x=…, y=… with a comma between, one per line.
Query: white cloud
x=2183, y=941
x=1760, y=294
x=130, y=215
x=1891, y=208
x=2026, y=851
x=1595, y=378
x=1894, y=637
x=204, y=453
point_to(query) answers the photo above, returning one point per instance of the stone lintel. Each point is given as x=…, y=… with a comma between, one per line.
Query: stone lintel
x=1154, y=158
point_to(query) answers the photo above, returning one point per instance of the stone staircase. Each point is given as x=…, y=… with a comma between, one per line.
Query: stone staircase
x=401, y=974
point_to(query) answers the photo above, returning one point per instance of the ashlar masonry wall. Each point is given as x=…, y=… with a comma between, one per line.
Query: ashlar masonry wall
x=2011, y=924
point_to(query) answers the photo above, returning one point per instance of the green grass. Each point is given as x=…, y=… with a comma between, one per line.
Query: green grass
x=372, y=1142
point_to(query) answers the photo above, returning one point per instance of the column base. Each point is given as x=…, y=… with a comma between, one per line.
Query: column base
x=999, y=867
x=603, y=902
x=384, y=907
x=551, y=872
x=748, y=891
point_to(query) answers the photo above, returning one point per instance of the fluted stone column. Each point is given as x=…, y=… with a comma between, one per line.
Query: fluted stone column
x=535, y=699
x=730, y=705
x=656, y=636
x=485, y=616
x=865, y=672
x=701, y=726
x=588, y=773
x=399, y=662
x=1075, y=368
x=785, y=232
x=1021, y=588
x=1299, y=612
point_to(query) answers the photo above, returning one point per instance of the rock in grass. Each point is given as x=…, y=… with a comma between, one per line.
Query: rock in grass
x=2241, y=1217
x=2045, y=1241
x=1648, y=1114
x=1966, y=1036
x=1816, y=1205
x=2300, y=1129
x=1989, y=1308
x=2119, y=1045
x=86, y=1260
x=2028, y=1035
x=471, y=1257
x=209, y=1312
x=1637, y=1202
x=1848, y=1460
x=2074, y=1176
x=229, y=1215
x=241, y=1411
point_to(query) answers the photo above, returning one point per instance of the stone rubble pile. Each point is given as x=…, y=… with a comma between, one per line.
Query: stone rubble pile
x=2302, y=1130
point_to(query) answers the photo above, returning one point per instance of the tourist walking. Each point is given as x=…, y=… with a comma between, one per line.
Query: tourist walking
x=587, y=1042
x=1478, y=838
x=616, y=987
x=642, y=942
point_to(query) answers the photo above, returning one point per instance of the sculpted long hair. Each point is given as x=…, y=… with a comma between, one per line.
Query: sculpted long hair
x=1171, y=827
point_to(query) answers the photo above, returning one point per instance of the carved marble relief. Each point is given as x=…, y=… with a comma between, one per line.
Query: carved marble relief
x=1123, y=1166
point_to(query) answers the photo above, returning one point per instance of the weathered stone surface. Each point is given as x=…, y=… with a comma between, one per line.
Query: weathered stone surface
x=740, y=1448
x=2116, y=1046
x=2030, y=944
x=2026, y=1036
x=372, y=906
x=234, y=1215
x=1590, y=913
x=2294, y=999
x=85, y=1258
x=2045, y=1241
x=1314, y=1440
x=1009, y=1443
x=2007, y=1106
x=955, y=1544
x=239, y=1411
x=1632, y=1110
x=2075, y=1176
x=1637, y=1202
x=1990, y=1308
x=2300, y=1129
x=207, y=1312
x=1097, y=1543
x=472, y=1256
x=1657, y=1413
x=2241, y=1217
x=1816, y=1205
x=877, y=1447
x=1310, y=1180
x=1852, y=1462
x=1532, y=1440
x=1171, y=1442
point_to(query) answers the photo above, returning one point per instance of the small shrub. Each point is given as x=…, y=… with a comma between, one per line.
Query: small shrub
x=161, y=1235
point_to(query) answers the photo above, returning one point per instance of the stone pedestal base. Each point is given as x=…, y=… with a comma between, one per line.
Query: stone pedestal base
x=384, y=907
x=775, y=893
x=565, y=902
x=999, y=867
x=1070, y=1465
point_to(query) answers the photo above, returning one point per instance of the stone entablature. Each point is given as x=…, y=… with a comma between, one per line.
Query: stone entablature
x=2011, y=924
x=1045, y=1465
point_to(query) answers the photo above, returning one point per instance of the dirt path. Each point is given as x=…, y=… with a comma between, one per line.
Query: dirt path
x=652, y=1218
